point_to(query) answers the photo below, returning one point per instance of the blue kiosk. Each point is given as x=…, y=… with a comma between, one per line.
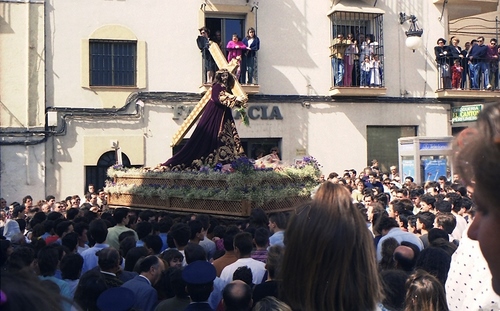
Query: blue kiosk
x=425, y=158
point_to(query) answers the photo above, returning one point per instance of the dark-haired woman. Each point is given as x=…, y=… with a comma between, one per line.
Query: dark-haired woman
x=252, y=42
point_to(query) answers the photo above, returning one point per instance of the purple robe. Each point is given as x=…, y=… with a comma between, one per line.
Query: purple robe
x=215, y=138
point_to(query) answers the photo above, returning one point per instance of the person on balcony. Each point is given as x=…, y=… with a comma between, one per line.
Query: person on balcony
x=455, y=49
x=479, y=64
x=376, y=72
x=366, y=67
x=203, y=43
x=465, y=64
x=350, y=54
x=455, y=53
x=456, y=74
x=442, y=53
x=338, y=48
x=252, y=43
x=235, y=49
x=492, y=57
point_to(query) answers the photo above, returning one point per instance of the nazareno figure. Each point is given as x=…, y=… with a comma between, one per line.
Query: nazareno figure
x=215, y=138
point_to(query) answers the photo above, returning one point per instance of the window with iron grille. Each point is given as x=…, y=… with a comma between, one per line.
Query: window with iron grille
x=113, y=63
x=356, y=36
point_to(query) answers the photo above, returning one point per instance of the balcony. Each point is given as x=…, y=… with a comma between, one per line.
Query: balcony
x=357, y=51
x=464, y=8
x=358, y=91
x=478, y=80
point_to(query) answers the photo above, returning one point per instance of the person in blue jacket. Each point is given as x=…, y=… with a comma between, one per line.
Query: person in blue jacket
x=248, y=62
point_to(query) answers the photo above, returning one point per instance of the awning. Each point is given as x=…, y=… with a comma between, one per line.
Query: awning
x=354, y=7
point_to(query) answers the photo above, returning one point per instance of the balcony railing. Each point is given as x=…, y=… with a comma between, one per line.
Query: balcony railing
x=463, y=74
x=213, y=58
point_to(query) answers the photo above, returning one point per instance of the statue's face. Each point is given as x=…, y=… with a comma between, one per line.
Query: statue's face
x=224, y=77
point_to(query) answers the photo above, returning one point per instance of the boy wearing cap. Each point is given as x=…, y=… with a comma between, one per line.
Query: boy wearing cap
x=199, y=276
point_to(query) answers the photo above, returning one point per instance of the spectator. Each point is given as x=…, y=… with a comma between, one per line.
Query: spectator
x=476, y=154
x=252, y=42
x=133, y=256
x=425, y=222
x=199, y=276
x=277, y=225
x=23, y=291
x=71, y=268
x=48, y=261
x=142, y=285
x=230, y=256
x=237, y=296
x=98, y=232
x=273, y=267
x=173, y=258
x=424, y=292
x=153, y=244
x=270, y=303
x=181, y=300
x=143, y=229
x=393, y=282
x=243, y=249
x=435, y=261
x=197, y=234
x=206, y=243
x=320, y=225
x=121, y=218
x=180, y=233
x=390, y=229
x=82, y=229
x=261, y=241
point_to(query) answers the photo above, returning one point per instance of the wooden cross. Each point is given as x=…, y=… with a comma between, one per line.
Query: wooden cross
x=195, y=114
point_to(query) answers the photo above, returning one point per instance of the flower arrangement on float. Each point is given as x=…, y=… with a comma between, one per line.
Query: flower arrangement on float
x=243, y=179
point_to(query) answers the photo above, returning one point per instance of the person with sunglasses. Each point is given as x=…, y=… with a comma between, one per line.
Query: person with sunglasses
x=479, y=65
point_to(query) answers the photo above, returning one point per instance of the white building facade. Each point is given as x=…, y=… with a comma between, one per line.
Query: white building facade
x=65, y=110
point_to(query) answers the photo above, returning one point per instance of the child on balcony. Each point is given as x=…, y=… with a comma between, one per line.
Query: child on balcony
x=375, y=80
x=365, y=72
x=456, y=74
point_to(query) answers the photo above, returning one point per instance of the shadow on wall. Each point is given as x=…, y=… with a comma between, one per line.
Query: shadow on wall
x=287, y=51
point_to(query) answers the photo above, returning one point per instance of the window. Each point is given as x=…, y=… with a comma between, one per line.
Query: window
x=98, y=175
x=113, y=63
x=357, y=36
x=382, y=143
x=226, y=27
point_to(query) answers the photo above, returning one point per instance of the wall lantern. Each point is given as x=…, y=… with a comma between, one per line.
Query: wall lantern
x=414, y=34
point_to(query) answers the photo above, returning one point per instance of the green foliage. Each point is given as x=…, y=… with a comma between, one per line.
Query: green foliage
x=244, y=183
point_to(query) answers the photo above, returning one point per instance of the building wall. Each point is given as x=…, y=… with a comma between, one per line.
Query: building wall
x=22, y=67
x=293, y=61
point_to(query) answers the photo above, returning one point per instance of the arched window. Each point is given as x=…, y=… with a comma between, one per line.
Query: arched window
x=97, y=175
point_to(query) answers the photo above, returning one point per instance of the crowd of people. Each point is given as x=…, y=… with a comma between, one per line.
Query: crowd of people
x=243, y=51
x=363, y=242
x=473, y=67
x=355, y=61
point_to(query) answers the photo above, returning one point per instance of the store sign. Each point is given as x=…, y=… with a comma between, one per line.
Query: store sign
x=262, y=112
x=254, y=112
x=465, y=113
x=435, y=146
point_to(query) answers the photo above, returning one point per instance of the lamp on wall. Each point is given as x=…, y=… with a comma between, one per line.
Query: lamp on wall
x=414, y=34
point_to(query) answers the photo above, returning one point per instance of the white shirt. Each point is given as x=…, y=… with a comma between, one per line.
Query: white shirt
x=400, y=236
x=460, y=228
x=468, y=286
x=258, y=270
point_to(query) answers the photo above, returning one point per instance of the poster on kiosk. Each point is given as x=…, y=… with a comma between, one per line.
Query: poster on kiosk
x=425, y=158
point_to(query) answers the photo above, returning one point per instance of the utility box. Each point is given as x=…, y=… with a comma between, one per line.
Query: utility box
x=425, y=158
